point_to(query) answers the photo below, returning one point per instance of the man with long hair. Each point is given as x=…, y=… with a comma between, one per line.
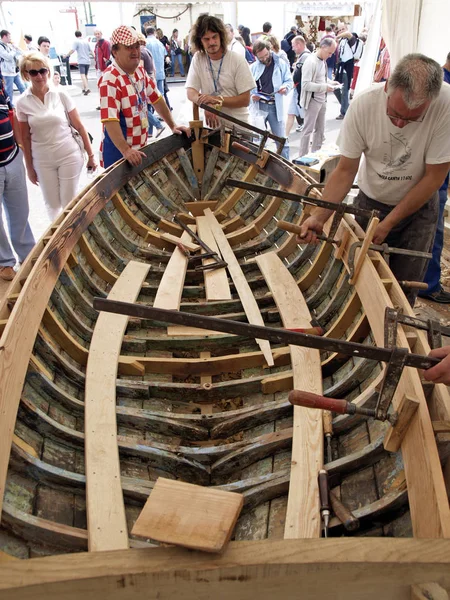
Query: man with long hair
x=217, y=77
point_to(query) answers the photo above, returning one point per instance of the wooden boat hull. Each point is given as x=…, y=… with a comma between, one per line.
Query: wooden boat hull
x=198, y=406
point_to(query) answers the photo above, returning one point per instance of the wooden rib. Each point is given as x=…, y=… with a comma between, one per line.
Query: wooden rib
x=93, y=261
x=171, y=286
x=245, y=293
x=216, y=281
x=170, y=227
x=104, y=499
x=189, y=172
x=257, y=225
x=60, y=334
x=129, y=218
x=303, y=516
x=209, y=169
x=237, y=193
x=182, y=187
x=311, y=275
x=234, y=223
x=426, y=487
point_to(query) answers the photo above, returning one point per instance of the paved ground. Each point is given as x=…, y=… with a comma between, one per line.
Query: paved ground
x=182, y=112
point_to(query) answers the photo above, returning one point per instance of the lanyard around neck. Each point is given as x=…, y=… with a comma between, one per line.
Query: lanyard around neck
x=215, y=79
x=140, y=95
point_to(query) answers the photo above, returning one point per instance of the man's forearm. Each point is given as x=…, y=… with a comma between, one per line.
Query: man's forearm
x=116, y=135
x=336, y=190
x=414, y=199
x=163, y=111
x=240, y=101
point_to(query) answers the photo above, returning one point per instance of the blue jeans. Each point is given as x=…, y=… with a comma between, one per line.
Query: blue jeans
x=153, y=121
x=10, y=80
x=330, y=73
x=14, y=197
x=433, y=274
x=276, y=126
x=342, y=94
x=160, y=86
x=179, y=58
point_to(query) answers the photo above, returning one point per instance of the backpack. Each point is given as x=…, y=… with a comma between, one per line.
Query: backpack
x=297, y=74
x=249, y=56
x=285, y=45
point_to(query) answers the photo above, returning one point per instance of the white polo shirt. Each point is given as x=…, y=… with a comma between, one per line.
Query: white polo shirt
x=48, y=123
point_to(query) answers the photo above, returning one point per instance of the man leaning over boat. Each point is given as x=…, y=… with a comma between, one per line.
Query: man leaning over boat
x=125, y=90
x=403, y=129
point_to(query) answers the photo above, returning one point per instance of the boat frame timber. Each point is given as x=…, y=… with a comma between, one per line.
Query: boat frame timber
x=246, y=568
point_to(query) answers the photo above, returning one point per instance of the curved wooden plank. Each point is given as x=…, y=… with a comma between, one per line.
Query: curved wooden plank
x=245, y=293
x=302, y=517
x=107, y=525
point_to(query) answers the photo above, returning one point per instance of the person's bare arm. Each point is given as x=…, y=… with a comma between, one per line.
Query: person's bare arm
x=26, y=146
x=78, y=125
x=414, y=199
x=134, y=157
x=17, y=131
x=337, y=188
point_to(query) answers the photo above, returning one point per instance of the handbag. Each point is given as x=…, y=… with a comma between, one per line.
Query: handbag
x=178, y=51
x=75, y=134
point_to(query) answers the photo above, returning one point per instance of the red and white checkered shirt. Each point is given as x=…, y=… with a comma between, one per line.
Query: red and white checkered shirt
x=119, y=93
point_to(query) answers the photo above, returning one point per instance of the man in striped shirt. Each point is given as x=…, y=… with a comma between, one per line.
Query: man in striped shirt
x=13, y=193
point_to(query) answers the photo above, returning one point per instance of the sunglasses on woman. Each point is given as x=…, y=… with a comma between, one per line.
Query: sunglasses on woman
x=36, y=72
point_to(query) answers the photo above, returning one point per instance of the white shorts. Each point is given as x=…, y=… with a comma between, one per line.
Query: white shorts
x=294, y=108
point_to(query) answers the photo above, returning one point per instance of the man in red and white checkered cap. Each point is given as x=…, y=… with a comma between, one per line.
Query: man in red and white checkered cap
x=125, y=91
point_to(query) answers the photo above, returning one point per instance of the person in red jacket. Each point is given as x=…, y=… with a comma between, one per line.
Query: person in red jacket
x=102, y=53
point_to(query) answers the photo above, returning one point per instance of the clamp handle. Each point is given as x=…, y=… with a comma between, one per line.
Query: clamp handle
x=310, y=400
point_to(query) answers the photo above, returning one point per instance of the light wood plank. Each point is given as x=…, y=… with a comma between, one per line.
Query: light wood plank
x=107, y=526
x=357, y=568
x=183, y=330
x=428, y=591
x=171, y=285
x=197, y=208
x=189, y=515
x=216, y=282
x=303, y=515
x=173, y=239
x=426, y=487
x=249, y=303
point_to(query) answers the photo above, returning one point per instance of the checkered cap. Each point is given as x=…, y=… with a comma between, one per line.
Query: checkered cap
x=124, y=35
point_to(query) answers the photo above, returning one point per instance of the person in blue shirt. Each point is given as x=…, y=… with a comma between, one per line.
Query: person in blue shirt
x=158, y=52
x=273, y=81
x=446, y=69
x=435, y=291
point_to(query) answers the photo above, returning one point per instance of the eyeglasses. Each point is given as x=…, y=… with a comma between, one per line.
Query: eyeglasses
x=36, y=72
x=418, y=119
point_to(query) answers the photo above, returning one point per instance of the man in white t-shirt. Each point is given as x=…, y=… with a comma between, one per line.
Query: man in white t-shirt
x=313, y=97
x=233, y=44
x=218, y=77
x=403, y=129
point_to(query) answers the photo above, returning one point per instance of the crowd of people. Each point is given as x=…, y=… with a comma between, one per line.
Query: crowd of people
x=401, y=126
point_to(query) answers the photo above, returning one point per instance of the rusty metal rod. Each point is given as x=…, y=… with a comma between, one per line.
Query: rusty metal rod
x=272, y=334
x=261, y=189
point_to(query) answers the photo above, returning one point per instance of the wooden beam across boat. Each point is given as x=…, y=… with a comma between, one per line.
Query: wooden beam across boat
x=303, y=514
x=245, y=293
x=107, y=524
x=339, y=568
